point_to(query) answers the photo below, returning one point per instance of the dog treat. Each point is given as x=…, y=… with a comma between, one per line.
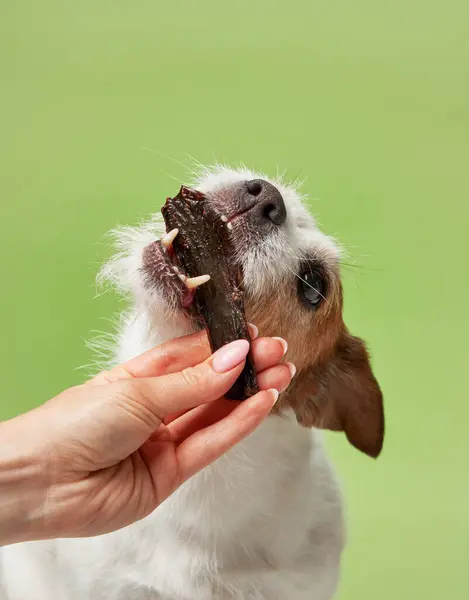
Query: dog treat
x=200, y=239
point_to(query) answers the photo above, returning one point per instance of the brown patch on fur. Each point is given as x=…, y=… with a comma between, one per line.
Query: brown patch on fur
x=334, y=387
x=311, y=334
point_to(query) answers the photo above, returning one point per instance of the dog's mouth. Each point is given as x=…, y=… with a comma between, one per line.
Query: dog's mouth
x=252, y=210
x=239, y=213
x=161, y=272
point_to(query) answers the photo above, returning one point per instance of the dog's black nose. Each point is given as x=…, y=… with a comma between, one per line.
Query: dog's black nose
x=270, y=205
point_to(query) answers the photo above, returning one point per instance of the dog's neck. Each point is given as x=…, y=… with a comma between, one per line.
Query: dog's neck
x=250, y=479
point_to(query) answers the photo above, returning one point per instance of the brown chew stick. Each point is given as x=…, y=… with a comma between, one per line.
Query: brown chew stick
x=203, y=246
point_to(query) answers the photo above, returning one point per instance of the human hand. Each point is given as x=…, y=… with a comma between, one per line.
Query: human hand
x=102, y=455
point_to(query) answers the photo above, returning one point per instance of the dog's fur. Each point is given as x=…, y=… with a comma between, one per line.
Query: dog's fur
x=265, y=521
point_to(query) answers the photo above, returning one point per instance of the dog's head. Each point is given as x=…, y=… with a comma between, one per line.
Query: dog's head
x=293, y=289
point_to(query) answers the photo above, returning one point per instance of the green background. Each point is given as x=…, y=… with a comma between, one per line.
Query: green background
x=370, y=101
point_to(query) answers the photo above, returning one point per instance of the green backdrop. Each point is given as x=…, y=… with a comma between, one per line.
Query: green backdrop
x=368, y=100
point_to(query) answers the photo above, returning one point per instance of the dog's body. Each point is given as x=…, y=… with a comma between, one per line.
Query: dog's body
x=265, y=521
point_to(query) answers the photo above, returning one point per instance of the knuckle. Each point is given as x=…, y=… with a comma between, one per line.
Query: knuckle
x=193, y=377
x=166, y=358
x=129, y=388
x=134, y=392
x=142, y=391
x=138, y=397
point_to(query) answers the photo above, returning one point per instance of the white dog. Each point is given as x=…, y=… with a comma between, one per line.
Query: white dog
x=264, y=522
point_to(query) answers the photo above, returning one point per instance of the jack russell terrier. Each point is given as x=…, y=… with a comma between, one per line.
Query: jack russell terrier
x=264, y=522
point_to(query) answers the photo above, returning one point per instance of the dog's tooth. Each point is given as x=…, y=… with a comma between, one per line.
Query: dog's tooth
x=175, y=269
x=168, y=238
x=182, y=277
x=230, y=226
x=224, y=218
x=194, y=282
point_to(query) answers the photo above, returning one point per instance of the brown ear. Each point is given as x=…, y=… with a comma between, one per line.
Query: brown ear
x=342, y=394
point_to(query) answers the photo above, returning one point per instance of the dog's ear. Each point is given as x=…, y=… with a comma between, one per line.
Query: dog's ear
x=342, y=394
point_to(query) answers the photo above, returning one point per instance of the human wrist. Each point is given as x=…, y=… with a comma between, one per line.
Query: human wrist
x=23, y=484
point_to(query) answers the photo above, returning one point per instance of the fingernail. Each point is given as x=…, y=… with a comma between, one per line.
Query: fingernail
x=274, y=394
x=230, y=356
x=253, y=331
x=283, y=342
x=291, y=367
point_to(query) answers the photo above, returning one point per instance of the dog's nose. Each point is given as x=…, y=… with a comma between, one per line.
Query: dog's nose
x=270, y=205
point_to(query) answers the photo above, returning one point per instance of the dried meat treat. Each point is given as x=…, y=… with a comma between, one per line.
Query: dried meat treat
x=202, y=247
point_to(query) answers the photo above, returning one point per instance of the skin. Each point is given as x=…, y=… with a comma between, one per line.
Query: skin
x=104, y=454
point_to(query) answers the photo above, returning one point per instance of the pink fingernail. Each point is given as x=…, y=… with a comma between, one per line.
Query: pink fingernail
x=283, y=342
x=292, y=369
x=274, y=394
x=230, y=356
x=253, y=330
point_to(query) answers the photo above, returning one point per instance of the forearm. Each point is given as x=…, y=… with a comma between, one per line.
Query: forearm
x=23, y=483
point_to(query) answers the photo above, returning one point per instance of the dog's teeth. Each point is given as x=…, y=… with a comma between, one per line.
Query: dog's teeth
x=175, y=269
x=230, y=226
x=182, y=277
x=224, y=218
x=194, y=282
x=168, y=238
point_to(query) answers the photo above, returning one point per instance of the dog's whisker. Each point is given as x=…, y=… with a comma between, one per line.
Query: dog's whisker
x=194, y=160
x=352, y=265
x=171, y=158
x=177, y=179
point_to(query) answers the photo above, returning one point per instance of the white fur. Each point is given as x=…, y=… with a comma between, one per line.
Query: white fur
x=262, y=523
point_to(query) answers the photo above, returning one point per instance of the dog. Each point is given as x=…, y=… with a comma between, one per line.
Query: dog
x=265, y=521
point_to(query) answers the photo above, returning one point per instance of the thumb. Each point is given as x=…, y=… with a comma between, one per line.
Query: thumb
x=186, y=389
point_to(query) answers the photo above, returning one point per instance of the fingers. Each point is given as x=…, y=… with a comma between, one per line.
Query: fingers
x=268, y=352
x=185, y=385
x=206, y=445
x=199, y=418
x=190, y=387
x=277, y=377
x=184, y=425
x=169, y=357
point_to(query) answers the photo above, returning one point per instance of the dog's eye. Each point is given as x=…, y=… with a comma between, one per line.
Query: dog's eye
x=311, y=287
